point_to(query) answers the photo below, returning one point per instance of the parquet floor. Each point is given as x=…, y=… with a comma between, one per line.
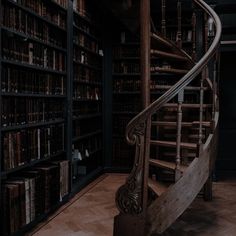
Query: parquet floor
x=91, y=212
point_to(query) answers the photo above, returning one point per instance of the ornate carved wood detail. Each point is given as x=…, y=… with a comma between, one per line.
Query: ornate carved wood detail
x=129, y=197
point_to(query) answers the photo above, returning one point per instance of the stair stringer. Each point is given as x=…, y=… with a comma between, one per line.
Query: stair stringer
x=170, y=205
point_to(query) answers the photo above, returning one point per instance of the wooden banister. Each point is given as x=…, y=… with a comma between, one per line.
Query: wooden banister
x=131, y=198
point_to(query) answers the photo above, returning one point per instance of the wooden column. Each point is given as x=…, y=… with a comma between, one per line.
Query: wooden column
x=145, y=51
x=130, y=222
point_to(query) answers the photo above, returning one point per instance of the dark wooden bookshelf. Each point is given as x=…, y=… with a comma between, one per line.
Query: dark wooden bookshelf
x=126, y=101
x=87, y=90
x=43, y=60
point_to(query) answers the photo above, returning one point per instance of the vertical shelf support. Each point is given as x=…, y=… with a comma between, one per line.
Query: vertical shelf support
x=179, y=19
x=69, y=83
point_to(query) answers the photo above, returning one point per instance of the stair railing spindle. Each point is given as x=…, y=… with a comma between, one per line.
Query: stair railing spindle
x=179, y=130
x=179, y=19
x=194, y=23
x=163, y=21
x=203, y=77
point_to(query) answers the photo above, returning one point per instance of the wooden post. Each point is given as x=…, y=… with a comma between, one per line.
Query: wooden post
x=179, y=19
x=194, y=36
x=203, y=76
x=163, y=14
x=145, y=51
x=178, y=141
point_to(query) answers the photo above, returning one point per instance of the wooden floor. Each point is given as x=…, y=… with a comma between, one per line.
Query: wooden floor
x=91, y=212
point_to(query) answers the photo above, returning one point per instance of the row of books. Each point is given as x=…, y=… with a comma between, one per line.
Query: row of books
x=124, y=51
x=126, y=67
x=83, y=127
x=24, y=146
x=20, y=21
x=18, y=111
x=87, y=92
x=43, y=9
x=86, y=109
x=86, y=58
x=120, y=85
x=84, y=74
x=86, y=42
x=82, y=7
x=86, y=27
x=33, y=54
x=31, y=82
x=32, y=193
x=83, y=149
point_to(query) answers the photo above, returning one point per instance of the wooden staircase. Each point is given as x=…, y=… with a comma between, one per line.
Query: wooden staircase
x=176, y=133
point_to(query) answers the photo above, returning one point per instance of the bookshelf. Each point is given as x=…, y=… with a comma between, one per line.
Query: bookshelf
x=51, y=93
x=87, y=92
x=126, y=93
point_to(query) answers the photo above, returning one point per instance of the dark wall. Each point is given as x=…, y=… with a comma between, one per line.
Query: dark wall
x=226, y=161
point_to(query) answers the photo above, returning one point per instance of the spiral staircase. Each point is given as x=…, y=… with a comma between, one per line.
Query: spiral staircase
x=175, y=135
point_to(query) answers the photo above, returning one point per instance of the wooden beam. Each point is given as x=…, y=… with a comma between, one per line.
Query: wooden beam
x=145, y=51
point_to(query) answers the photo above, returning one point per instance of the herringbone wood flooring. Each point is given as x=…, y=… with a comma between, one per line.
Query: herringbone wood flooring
x=91, y=213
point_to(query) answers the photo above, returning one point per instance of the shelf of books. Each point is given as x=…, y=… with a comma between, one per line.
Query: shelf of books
x=126, y=93
x=34, y=165
x=87, y=93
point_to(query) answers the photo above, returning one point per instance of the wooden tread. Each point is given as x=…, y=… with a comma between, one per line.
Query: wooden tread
x=157, y=187
x=168, y=70
x=184, y=124
x=168, y=55
x=166, y=164
x=161, y=40
x=173, y=144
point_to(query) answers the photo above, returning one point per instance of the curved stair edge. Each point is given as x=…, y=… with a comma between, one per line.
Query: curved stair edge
x=172, y=203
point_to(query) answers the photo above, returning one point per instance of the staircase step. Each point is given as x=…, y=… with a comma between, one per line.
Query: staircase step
x=168, y=70
x=168, y=55
x=161, y=40
x=173, y=144
x=173, y=154
x=166, y=165
x=184, y=124
x=157, y=187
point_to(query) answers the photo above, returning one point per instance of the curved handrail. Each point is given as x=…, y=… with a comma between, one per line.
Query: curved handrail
x=182, y=83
